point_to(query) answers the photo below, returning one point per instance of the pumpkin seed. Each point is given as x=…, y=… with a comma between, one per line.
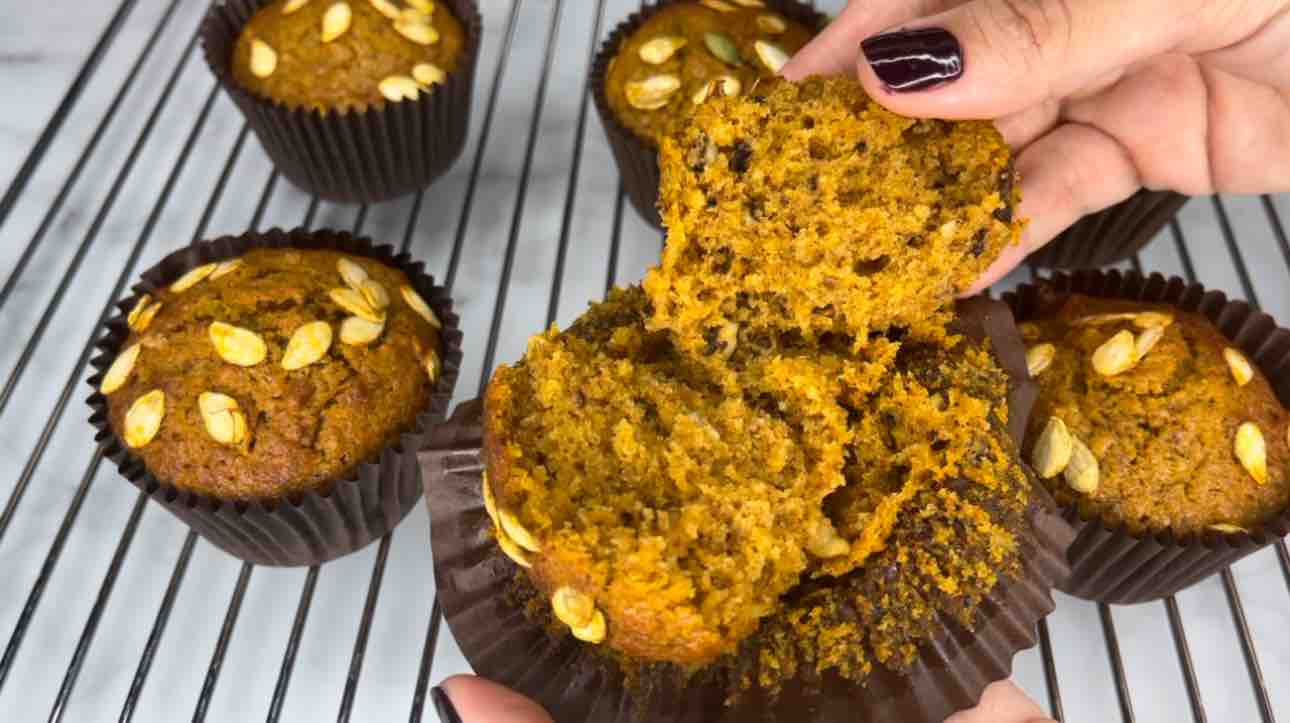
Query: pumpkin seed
x=593, y=632
x=1053, y=450
x=290, y=6
x=428, y=74
x=357, y=331
x=490, y=502
x=750, y=3
x=143, y=418
x=721, y=46
x=1252, y=451
x=356, y=304
x=144, y=311
x=719, y=5
x=374, y=294
x=308, y=344
x=336, y=21
x=1028, y=330
x=772, y=56
x=223, y=419
x=386, y=8
x=1082, y=473
x=1228, y=529
x=1039, y=357
x=236, y=345
x=1100, y=319
x=119, y=372
x=425, y=6
x=516, y=531
x=572, y=607
x=432, y=366
x=1152, y=319
x=224, y=268
x=264, y=59
x=399, y=87
x=826, y=543
x=1118, y=354
x=512, y=550
x=1146, y=341
x=1241, y=369
x=419, y=305
x=192, y=278
x=418, y=32
x=659, y=50
x=772, y=24
x=653, y=92
x=729, y=338
x=351, y=272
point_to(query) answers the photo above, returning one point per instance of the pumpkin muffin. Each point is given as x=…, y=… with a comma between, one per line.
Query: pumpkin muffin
x=1149, y=418
x=259, y=377
x=347, y=54
x=807, y=208
x=666, y=506
x=687, y=52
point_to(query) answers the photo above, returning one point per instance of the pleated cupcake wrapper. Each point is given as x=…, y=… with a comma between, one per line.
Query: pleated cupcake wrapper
x=1111, y=235
x=480, y=590
x=638, y=160
x=359, y=156
x=1108, y=563
x=335, y=518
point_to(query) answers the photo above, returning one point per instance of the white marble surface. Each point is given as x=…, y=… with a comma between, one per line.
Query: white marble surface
x=41, y=47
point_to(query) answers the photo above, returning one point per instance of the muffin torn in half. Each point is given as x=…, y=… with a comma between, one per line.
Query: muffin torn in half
x=810, y=208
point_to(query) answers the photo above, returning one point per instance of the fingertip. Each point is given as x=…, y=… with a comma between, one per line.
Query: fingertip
x=479, y=700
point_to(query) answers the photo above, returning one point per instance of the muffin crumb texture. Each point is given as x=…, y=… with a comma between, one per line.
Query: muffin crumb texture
x=239, y=382
x=808, y=208
x=785, y=508
x=347, y=55
x=1184, y=432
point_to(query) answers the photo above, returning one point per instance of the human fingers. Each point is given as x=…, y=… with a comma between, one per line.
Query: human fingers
x=1002, y=702
x=991, y=58
x=470, y=699
x=834, y=51
x=1074, y=170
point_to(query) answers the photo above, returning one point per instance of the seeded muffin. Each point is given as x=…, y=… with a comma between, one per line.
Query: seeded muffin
x=1149, y=418
x=665, y=507
x=264, y=376
x=811, y=209
x=347, y=54
x=680, y=55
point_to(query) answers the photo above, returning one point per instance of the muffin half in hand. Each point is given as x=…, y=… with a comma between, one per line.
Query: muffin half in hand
x=269, y=390
x=354, y=100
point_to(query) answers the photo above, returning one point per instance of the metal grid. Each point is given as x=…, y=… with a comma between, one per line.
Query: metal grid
x=115, y=611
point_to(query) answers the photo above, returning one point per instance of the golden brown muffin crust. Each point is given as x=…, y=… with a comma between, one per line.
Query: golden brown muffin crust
x=814, y=210
x=1163, y=431
x=694, y=64
x=344, y=73
x=303, y=427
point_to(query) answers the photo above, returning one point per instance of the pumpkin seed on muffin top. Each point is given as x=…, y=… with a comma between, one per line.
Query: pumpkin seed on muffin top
x=347, y=54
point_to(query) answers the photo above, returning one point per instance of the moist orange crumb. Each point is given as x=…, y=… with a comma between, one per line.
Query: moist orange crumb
x=808, y=208
x=1164, y=429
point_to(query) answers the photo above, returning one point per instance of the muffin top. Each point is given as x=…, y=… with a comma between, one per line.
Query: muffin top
x=1164, y=423
x=810, y=209
x=346, y=55
x=669, y=506
x=270, y=374
x=677, y=57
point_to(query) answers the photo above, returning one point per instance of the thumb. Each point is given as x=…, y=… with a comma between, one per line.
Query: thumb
x=990, y=58
x=470, y=699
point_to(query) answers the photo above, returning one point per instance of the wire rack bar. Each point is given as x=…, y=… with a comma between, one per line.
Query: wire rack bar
x=1050, y=672
x=364, y=629
x=293, y=645
x=64, y=109
x=1184, y=656
x=158, y=629
x=1117, y=663
x=221, y=647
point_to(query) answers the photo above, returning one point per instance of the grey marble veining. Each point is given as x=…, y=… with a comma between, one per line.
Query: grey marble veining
x=42, y=45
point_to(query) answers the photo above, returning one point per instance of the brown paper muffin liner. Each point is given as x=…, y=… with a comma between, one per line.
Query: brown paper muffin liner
x=1111, y=235
x=638, y=160
x=481, y=593
x=1109, y=564
x=358, y=156
x=335, y=518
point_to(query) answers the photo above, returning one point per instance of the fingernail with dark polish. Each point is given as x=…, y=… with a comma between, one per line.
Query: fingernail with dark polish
x=443, y=706
x=909, y=60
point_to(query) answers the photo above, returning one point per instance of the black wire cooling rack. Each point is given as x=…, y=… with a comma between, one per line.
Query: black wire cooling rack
x=114, y=611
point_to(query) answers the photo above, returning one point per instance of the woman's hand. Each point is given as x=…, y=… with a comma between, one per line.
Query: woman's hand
x=467, y=699
x=1102, y=97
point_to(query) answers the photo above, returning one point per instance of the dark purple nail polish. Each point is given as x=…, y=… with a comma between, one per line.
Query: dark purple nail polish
x=909, y=60
x=443, y=706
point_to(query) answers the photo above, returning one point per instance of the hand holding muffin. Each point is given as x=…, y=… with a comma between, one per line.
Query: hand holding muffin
x=1102, y=98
